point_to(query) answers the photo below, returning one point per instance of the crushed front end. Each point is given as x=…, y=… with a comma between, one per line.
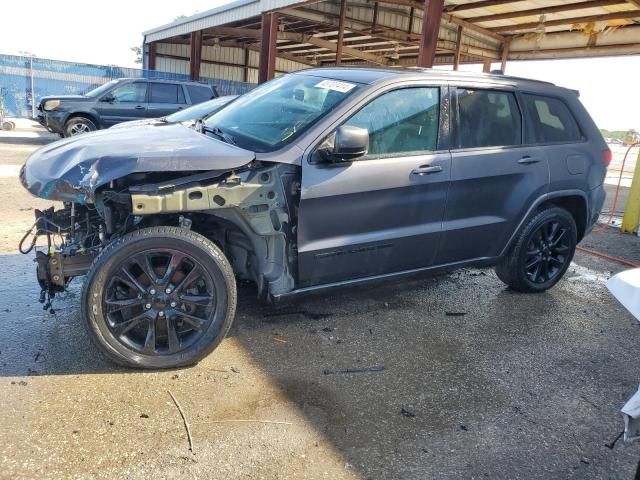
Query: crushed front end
x=67, y=240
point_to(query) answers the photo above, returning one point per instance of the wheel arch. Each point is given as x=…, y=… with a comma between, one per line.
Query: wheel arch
x=84, y=114
x=263, y=259
x=574, y=201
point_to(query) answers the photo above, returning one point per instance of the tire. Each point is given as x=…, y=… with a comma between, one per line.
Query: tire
x=542, y=252
x=173, y=321
x=79, y=125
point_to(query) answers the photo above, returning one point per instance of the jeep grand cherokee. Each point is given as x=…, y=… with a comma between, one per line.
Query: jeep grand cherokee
x=317, y=179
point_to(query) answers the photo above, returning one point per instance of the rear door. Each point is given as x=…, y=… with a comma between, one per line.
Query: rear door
x=383, y=212
x=495, y=176
x=164, y=99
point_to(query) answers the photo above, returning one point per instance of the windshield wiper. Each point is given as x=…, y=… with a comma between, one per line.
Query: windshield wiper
x=220, y=134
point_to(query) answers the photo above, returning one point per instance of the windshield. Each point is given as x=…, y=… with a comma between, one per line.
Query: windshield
x=96, y=92
x=277, y=112
x=198, y=111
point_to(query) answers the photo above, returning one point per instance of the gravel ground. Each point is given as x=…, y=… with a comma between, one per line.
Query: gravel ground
x=478, y=381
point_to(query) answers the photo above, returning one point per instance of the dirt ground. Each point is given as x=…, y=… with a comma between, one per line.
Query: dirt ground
x=478, y=381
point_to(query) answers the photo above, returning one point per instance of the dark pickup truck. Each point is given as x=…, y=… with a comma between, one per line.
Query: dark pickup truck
x=119, y=101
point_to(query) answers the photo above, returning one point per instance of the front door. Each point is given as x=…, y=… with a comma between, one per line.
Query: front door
x=495, y=177
x=123, y=103
x=383, y=212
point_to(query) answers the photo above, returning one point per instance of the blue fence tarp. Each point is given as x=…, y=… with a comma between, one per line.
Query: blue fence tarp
x=54, y=77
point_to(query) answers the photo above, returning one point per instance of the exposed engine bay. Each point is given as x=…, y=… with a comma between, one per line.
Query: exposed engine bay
x=248, y=212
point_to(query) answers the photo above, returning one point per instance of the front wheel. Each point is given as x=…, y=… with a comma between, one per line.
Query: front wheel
x=159, y=297
x=78, y=126
x=542, y=252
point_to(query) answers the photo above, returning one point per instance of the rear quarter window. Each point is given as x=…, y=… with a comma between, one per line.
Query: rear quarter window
x=552, y=120
x=199, y=94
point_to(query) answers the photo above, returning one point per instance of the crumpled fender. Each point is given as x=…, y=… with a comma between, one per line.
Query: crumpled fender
x=72, y=169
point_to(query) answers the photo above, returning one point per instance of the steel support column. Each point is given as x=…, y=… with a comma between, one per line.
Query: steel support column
x=505, y=55
x=151, y=58
x=343, y=14
x=196, y=55
x=430, y=28
x=631, y=218
x=268, y=50
x=486, y=66
x=456, y=56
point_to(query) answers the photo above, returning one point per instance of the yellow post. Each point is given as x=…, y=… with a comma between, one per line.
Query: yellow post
x=631, y=217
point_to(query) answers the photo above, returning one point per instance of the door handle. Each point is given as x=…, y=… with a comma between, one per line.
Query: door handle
x=527, y=160
x=139, y=107
x=426, y=170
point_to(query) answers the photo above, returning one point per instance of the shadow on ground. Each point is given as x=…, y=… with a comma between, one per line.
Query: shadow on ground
x=478, y=381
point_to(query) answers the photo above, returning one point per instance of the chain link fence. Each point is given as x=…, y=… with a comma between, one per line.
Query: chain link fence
x=23, y=79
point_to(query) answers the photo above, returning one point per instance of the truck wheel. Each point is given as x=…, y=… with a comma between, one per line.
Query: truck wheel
x=542, y=252
x=160, y=297
x=78, y=125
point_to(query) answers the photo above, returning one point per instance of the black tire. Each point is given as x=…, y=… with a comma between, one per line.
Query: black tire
x=79, y=125
x=542, y=252
x=135, y=323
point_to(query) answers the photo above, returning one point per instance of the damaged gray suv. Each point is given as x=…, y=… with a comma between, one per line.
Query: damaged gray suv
x=317, y=179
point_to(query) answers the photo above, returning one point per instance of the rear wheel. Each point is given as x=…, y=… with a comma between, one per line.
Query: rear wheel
x=542, y=252
x=159, y=297
x=78, y=126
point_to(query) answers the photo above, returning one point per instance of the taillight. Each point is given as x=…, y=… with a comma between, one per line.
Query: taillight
x=606, y=157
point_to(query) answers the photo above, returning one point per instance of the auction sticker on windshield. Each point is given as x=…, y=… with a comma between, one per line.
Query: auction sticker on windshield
x=342, y=87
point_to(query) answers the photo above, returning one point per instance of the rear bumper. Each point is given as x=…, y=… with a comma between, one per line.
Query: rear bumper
x=596, y=201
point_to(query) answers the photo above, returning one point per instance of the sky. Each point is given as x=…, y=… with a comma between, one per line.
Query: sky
x=104, y=32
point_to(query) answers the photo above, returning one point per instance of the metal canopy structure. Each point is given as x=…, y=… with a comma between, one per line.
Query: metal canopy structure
x=253, y=40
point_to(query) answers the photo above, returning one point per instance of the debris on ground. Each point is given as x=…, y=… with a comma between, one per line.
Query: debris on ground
x=144, y=415
x=455, y=314
x=304, y=313
x=278, y=340
x=184, y=419
x=407, y=413
x=355, y=370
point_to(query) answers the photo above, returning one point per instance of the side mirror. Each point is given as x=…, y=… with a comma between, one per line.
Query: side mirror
x=350, y=143
x=108, y=98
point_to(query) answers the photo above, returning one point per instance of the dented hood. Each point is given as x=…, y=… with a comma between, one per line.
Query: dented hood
x=72, y=169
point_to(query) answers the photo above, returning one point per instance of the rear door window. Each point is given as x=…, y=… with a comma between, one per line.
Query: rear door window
x=552, y=120
x=401, y=121
x=163, y=93
x=199, y=94
x=487, y=118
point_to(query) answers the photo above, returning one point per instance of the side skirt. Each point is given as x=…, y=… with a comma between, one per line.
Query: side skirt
x=481, y=262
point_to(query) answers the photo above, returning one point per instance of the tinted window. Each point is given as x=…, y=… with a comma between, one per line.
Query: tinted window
x=199, y=94
x=552, y=120
x=163, y=93
x=181, y=98
x=401, y=121
x=131, y=92
x=277, y=112
x=487, y=118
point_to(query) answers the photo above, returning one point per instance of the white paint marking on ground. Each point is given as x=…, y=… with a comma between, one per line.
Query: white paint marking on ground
x=578, y=273
x=9, y=170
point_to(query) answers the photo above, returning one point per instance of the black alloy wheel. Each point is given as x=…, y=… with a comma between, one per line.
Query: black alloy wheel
x=541, y=252
x=159, y=302
x=547, y=252
x=159, y=297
